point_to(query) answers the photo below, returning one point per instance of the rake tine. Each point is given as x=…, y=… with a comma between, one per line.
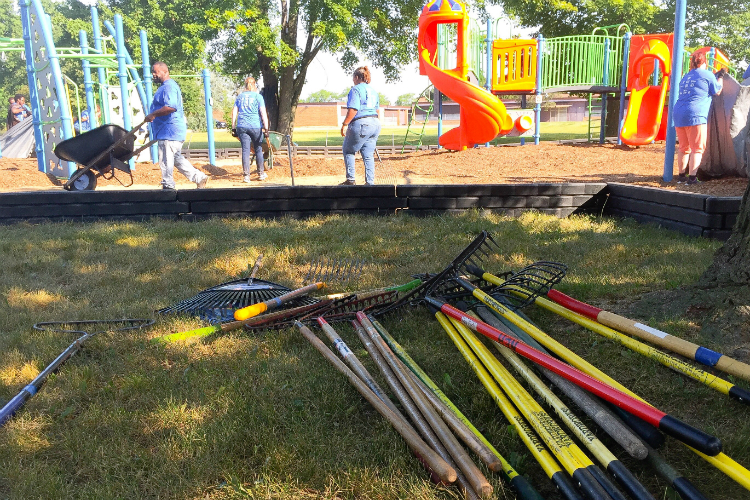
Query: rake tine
x=255, y=269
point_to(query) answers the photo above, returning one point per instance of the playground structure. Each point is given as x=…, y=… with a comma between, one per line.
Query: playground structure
x=118, y=90
x=609, y=61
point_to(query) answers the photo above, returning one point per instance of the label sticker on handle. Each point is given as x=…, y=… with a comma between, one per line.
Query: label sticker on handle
x=652, y=331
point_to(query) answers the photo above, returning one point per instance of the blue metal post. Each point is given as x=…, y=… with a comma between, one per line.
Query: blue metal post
x=102, y=74
x=623, y=82
x=605, y=82
x=674, y=86
x=148, y=87
x=122, y=75
x=209, y=116
x=439, y=96
x=538, y=96
x=131, y=68
x=36, y=114
x=523, y=106
x=65, y=119
x=488, y=68
x=88, y=85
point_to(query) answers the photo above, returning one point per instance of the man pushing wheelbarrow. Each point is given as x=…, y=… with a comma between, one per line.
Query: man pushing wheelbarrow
x=169, y=129
x=110, y=146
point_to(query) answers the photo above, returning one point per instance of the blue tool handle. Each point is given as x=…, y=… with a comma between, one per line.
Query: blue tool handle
x=15, y=404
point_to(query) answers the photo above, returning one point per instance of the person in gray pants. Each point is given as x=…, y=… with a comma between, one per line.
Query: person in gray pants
x=169, y=129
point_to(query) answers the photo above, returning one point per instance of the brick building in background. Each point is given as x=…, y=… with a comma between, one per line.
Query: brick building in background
x=331, y=114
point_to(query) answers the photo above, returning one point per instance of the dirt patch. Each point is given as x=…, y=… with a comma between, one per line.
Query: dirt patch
x=548, y=162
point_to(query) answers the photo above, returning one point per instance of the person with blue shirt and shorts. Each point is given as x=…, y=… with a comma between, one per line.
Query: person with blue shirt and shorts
x=691, y=115
x=169, y=129
x=249, y=125
x=361, y=126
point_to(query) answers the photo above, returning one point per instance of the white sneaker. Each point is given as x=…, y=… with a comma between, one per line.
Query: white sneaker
x=263, y=176
x=246, y=179
x=202, y=183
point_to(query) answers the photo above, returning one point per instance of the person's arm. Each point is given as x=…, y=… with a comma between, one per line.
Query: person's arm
x=163, y=111
x=264, y=118
x=234, y=116
x=350, y=114
x=718, y=84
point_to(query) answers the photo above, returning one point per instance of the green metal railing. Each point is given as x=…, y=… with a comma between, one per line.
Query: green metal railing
x=448, y=41
x=415, y=130
x=578, y=61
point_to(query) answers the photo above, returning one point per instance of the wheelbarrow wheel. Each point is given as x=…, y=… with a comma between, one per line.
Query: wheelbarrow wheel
x=86, y=182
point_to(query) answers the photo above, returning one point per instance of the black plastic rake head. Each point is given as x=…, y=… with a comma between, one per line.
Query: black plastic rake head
x=341, y=309
x=475, y=253
x=523, y=287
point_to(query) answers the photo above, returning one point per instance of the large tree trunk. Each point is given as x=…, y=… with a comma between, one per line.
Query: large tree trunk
x=731, y=265
x=720, y=301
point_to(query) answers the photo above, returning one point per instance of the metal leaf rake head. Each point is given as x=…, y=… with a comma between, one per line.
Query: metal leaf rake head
x=331, y=270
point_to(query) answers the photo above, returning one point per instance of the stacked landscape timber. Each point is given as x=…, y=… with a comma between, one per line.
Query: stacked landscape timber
x=690, y=213
x=559, y=200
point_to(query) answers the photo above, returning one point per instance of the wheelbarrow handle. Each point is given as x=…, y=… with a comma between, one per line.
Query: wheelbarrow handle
x=78, y=173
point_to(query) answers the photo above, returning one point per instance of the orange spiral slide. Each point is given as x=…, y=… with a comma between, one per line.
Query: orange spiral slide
x=483, y=116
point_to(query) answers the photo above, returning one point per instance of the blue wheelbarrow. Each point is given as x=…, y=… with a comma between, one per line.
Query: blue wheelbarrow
x=99, y=152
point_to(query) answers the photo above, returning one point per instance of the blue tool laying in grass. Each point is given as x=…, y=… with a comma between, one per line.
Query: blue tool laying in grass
x=15, y=404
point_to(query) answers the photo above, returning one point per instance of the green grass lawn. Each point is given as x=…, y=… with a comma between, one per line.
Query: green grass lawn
x=262, y=414
x=319, y=136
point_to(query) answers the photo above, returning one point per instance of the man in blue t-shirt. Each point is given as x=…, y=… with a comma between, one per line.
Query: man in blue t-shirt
x=249, y=125
x=169, y=128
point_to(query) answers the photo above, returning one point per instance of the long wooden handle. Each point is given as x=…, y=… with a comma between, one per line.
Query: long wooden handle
x=439, y=466
x=459, y=427
x=474, y=476
x=261, y=307
x=686, y=348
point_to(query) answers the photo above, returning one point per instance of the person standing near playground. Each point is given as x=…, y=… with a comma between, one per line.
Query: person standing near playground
x=169, y=129
x=691, y=115
x=250, y=125
x=361, y=126
x=20, y=109
x=10, y=120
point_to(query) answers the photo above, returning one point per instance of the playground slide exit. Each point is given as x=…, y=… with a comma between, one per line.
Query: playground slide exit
x=483, y=116
x=644, y=114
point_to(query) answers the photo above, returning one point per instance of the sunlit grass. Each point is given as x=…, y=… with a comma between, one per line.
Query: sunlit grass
x=261, y=414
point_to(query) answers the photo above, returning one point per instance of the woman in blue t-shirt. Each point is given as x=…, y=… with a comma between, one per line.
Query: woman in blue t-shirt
x=249, y=125
x=361, y=126
x=691, y=115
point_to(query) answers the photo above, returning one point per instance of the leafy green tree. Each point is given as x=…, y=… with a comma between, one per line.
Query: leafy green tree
x=384, y=101
x=405, y=99
x=579, y=17
x=278, y=41
x=325, y=96
x=719, y=23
